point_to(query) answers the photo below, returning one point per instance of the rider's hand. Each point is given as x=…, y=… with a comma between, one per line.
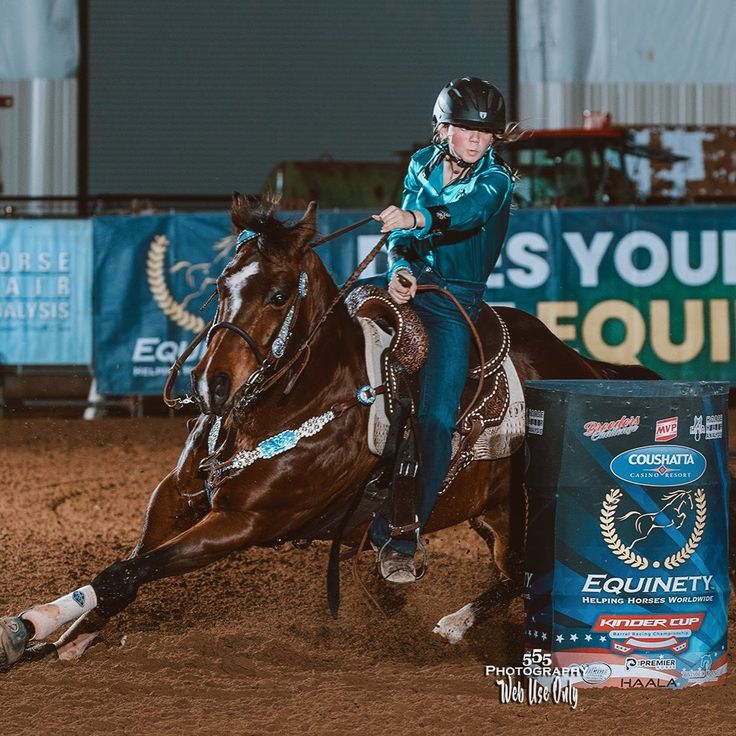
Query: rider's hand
x=394, y=218
x=401, y=294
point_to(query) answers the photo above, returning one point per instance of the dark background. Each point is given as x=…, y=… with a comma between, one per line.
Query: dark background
x=187, y=96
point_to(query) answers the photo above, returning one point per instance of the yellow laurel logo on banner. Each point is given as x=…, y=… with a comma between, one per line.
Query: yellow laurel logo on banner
x=156, y=275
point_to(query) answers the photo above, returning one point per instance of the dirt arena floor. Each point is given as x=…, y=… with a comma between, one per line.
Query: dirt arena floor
x=247, y=646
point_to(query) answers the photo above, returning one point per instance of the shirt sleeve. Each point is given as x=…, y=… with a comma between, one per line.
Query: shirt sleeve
x=400, y=240
x=471, y=210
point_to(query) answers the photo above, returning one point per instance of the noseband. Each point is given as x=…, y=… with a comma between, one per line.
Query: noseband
x=254, y=383
x=240, y=333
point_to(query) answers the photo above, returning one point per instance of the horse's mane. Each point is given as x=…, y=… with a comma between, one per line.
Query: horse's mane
x=250, y=212
x=673, y=494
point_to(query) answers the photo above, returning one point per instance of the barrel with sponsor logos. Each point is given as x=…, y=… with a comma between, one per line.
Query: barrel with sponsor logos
x=627, y=539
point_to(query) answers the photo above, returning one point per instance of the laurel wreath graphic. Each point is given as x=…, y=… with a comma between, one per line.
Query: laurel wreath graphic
x=627, y=555
x=608, y=530
x=156, y=275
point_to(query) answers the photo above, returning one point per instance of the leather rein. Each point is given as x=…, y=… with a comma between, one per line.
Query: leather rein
x=260, y=380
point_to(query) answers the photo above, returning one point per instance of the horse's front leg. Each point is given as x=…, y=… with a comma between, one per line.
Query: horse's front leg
x=169, y=513
x=35, y=624
x=216, y=535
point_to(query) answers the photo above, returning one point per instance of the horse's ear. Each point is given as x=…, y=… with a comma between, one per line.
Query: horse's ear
x=308, y=226
x=239, y=211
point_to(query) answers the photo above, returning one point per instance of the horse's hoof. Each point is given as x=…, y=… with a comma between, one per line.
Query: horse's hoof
x=453, y=626
x=40, y=651
x=13, y=639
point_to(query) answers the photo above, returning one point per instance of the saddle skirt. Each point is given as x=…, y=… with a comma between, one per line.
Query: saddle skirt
x=377, y=342
x=501, y=437
x=395, y=342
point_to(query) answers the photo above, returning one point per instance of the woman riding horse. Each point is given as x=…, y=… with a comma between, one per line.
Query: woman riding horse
x=449, y=232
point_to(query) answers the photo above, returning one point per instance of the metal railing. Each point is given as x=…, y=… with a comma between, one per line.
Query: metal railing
x=125, y=203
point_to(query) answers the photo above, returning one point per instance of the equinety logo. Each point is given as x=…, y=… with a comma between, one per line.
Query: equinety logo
x=152, y=355
x=673, y=465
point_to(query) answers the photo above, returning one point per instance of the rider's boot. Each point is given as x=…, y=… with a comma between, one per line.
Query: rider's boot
x=396, y=567
x=399, y=567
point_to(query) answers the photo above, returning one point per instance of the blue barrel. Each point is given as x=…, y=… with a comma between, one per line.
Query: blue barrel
x=627, y=535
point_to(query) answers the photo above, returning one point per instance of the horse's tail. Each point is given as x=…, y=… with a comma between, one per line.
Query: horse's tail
x=732, y=532
x=612, y=371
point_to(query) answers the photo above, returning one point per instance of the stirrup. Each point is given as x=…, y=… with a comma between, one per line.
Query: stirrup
x=397, y=567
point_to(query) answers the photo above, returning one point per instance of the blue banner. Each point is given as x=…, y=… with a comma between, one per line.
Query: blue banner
x=152, y=275
x=647, y=285
x=624, y=285
x=45, y=292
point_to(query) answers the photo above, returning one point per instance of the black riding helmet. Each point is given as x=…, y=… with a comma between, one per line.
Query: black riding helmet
x=472, y=103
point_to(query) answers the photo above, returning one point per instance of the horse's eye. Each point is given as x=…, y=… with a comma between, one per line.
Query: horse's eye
x=278, y=298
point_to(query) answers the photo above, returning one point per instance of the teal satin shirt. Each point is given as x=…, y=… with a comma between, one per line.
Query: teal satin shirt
x=465, y=222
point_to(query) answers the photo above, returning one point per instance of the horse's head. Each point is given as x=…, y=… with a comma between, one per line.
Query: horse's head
x=261, y=294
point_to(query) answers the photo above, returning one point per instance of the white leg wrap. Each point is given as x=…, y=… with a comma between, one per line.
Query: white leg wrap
x=454, y=625
x=48, y=617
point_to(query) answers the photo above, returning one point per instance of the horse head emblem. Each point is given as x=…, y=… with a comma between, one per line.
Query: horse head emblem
x=676, y=506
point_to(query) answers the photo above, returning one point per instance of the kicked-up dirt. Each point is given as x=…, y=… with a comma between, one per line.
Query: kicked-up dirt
x=247, y=646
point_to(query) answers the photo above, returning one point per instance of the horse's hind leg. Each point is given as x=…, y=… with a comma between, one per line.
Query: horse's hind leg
x=455, y=625
x=502, y=529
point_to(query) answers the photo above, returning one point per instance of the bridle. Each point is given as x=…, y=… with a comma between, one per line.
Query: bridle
x=257, y=382
x=268, y=371
x=267, y=374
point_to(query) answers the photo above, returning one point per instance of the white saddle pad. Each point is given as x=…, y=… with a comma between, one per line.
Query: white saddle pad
x=376, y=341
x=493, y=443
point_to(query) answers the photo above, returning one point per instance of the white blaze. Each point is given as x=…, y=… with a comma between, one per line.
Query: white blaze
x=234, y=284
x=203, y=388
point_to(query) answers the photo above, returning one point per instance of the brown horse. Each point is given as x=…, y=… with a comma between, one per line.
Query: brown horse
x=192, y=521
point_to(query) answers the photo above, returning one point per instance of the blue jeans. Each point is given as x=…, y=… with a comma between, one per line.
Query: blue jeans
x=441, y=383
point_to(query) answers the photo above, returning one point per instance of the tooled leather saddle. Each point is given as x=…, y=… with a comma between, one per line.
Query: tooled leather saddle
x=396, y=347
